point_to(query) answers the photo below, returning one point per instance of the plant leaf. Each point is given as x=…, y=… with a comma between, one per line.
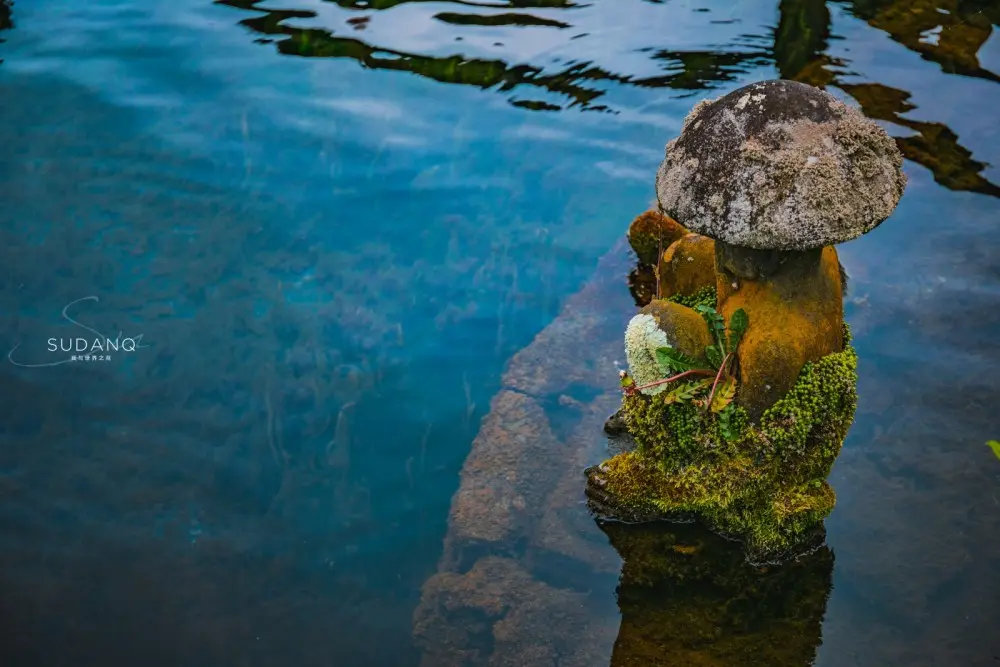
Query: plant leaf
x=685, y=391
x=663, y=506
x=703, y=383
x=674, y=360
x=681, y=394
x=714, y=356
x=716, y=325
x=738, y=324
x=725, y=392
x=726, y=426
x=995, y=446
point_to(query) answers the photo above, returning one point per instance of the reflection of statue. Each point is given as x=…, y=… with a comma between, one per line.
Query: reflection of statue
x=742, y=384
x=688, y=597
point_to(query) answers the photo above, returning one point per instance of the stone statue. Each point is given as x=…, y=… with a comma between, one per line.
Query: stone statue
x=742, y=381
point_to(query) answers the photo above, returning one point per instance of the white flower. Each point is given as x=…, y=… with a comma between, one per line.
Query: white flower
x=642, y=337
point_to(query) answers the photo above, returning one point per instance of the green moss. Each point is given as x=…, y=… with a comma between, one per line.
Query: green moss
x=765, y=483
x=706, y=296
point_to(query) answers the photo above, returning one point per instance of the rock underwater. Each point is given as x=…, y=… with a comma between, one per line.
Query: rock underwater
x=529, y=578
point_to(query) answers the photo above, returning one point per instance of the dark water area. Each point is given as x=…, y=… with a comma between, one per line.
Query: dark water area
x=328, y=226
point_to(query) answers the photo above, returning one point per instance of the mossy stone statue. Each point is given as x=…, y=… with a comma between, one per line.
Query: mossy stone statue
x=773, y=174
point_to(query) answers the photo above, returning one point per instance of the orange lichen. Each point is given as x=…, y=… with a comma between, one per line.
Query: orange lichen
x=684, y=328
x=651, y=233
x=796, y=317
x=687, y=266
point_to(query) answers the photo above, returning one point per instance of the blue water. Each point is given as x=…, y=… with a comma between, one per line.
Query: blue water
x=330, y=249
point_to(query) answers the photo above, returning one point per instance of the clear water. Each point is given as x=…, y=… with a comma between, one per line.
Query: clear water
x=332, y=233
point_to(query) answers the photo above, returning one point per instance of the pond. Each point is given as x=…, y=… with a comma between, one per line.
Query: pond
x=321, y=238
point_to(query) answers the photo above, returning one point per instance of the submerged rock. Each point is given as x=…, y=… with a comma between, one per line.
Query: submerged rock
x=498, y=615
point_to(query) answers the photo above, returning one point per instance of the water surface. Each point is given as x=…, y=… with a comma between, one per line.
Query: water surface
x=331, y=224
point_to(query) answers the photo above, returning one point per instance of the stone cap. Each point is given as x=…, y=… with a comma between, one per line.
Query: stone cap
x=780, y=165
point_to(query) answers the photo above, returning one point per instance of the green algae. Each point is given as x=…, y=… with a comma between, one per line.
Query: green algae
x=764, y=482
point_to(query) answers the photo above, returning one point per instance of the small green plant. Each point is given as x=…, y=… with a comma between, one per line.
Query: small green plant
x=728, y=424
x=720, y=383
x=995, y=446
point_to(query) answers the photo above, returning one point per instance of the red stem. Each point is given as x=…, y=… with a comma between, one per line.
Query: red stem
x=695, y=371
x=722, y=367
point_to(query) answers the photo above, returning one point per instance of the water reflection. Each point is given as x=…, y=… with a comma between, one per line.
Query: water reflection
x=800, y=45
x=389, y=4
x=579, y=81
x=5, y=16
x=688, y=597
x=947, y=32
x=238, y=495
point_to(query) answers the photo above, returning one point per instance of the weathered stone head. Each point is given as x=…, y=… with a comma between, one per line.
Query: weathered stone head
x=776, y=173
x=779, y=166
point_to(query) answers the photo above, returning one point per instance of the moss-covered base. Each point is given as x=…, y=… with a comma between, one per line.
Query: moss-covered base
x=763, y=483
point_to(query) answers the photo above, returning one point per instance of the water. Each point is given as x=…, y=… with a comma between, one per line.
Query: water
x=331, y=225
